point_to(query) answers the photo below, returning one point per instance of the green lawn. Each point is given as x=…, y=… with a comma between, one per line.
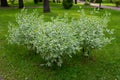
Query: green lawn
x=17, y=63
x=109, y=4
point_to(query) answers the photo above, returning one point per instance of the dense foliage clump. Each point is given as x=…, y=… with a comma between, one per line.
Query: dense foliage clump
x=67, y=4
x=61, y=36
x=92, y=32
x=52, y=40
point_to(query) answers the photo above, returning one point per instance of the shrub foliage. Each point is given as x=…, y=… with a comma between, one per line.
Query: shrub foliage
x=52, y=40
x=92, y=32
x=59, y=37
x=67, y=4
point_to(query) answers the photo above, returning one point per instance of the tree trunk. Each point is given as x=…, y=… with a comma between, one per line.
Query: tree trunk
x=21, y=5
x=4, y=3
x=40, y=0
x=100, y=5
x=54, y=1
x=111, y=1
x=75, y=1
x=46, y=6
x=58, y=1
x=36, y=1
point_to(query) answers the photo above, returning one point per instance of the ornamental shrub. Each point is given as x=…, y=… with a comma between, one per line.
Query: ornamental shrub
x=92, y=32
x=55, y=40
x=61, y=36
x=67, y=4
x=23, y=32
x=52, y=40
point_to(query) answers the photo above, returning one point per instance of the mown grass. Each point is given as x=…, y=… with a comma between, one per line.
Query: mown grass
x=17, y=63
x=109, y=4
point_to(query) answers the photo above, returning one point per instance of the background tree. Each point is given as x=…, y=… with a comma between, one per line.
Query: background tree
x=117, y=2
x=36, y=1
x=21, y=4
x=54, y=1
x=4, y=3
x=99, y=1
x=75, y=1
x=40, y=0
x=58, y=1
x=67, y=4
x=46, y=6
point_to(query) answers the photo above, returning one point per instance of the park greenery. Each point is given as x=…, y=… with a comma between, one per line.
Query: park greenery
x=67, y=4
x=59, y=36
x=117, y=2
x=52, y=40
x=79, y=40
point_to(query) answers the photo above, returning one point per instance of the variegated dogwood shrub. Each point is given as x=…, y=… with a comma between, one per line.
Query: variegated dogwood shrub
x=92, y=31
x=54, y=40
x=24, y=31
x=60, y=36
x=51, y=39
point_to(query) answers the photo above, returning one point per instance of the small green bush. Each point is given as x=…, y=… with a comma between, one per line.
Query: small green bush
x=25, y=29
x=67, y=4
x=92, y=32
